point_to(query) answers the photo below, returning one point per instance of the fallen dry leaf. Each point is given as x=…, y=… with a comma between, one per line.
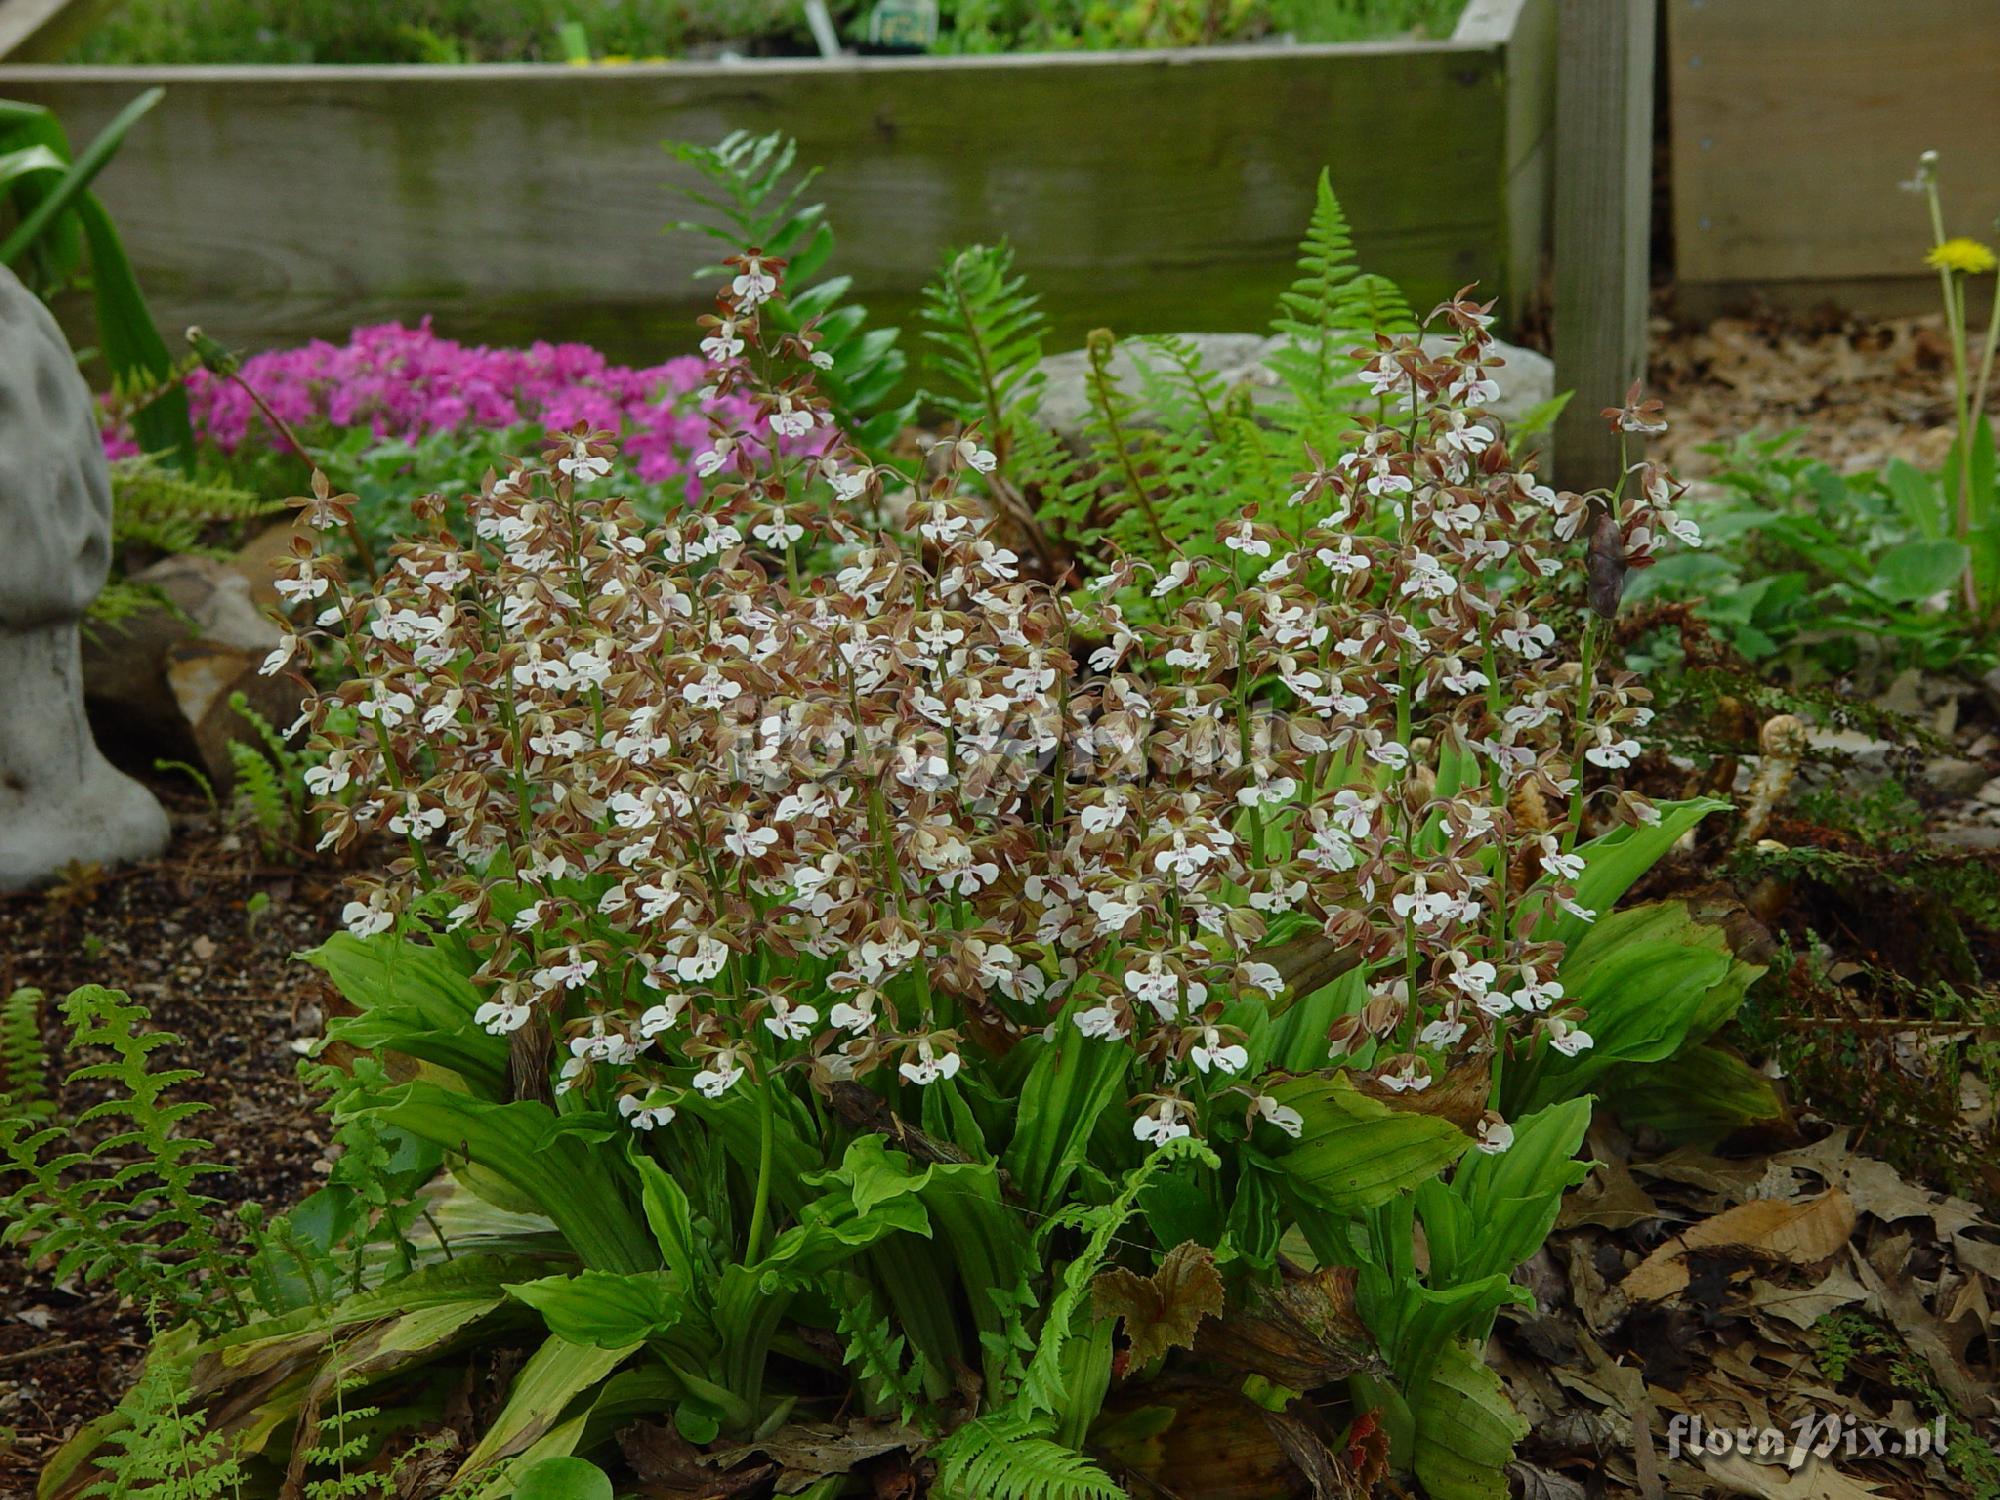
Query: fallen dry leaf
x=1162, y=1311
x=1460, y=1096
x=1610, y=1198
x=1803, y=1306
x=1876, y=1187
x=1302, y=1333
x=1816, y=1479
x=1904, y=1311
x=1730, y=1181
x=672, y=1468
x=1802, y=1233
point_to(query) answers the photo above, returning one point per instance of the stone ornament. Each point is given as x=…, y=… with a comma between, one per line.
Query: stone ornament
x=60, y=800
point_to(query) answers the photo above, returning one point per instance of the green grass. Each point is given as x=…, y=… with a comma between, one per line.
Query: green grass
x=1366, y=20
x=423, y=31
x=455, y=31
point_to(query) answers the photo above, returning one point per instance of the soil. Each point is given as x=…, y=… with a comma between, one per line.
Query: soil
x=178, y=934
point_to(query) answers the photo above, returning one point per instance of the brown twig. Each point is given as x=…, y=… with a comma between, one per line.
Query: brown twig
x=54, y=1346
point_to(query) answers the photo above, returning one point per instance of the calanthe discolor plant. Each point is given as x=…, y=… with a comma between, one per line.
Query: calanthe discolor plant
x=884, y=995
x=760, y=794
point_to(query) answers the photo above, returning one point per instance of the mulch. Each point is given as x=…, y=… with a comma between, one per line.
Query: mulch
x=186, y=936
x=1857, y=391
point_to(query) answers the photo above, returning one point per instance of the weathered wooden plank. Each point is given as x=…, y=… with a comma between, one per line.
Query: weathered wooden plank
x=1488, y=21
x=1142, y=191
x=1877, y=296
x=1524, y=30
x=1794, y=121
x=1603, y=215
x=43, y=30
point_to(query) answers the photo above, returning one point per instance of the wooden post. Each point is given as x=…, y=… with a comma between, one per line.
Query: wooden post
x=1603, y=223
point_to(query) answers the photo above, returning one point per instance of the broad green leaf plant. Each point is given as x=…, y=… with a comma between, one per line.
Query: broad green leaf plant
x=853, y=988
x=1811, y=574
x=62, y=237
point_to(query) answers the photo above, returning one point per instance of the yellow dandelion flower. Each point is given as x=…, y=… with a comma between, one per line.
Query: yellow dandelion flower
x=1962, y=254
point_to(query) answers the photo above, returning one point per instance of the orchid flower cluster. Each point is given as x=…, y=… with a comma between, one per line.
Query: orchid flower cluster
x=756, y=793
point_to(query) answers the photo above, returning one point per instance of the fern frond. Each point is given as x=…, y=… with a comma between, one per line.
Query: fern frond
x=877, y=1354
x=1124, y=451
x=281, y=752
x=118, y=601
x=1329, y=309
x=24, y=1061
x=985, y=336
x=126, y=1208
x=193, y=773
x=260, y=799
x=997, y=1458
x=755, y=202
x=1041, y=1389
x=270, y=784
x=161, y=508
x=1059, y=485
x=1179, y=387
x=164, y=1449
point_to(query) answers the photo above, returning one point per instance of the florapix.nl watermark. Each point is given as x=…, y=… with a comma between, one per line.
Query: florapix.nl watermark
x=1815, y=1435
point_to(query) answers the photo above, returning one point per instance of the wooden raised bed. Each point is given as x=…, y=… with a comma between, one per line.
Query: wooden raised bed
x=1146, y=191
x=1793, y=123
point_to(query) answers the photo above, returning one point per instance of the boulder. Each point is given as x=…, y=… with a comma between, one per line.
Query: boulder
x=1526, y=379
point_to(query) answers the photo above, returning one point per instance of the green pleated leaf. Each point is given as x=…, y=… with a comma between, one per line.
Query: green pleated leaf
x=606, y=1309
x=1355, y=1153
x=1614, y=863
x=1466, y=1428
x=414, y=1000
x=1697, y=1098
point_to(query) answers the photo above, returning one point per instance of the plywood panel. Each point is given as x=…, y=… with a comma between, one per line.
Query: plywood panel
x=1794, y=121
x=1143, y=191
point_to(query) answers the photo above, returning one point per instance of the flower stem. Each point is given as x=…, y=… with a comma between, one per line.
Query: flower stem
x=1586, y=693
x=760, y=1206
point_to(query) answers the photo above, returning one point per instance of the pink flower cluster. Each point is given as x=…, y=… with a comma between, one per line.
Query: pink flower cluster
x=407, y=383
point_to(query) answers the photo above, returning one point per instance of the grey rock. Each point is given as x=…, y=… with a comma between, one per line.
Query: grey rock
x=1526, y=379
x=1065, y=405
x=159, y=684
x=1954, y=776
x=1978, y=837
x=61, y=801
x=1858, y=757
x=1852, y=758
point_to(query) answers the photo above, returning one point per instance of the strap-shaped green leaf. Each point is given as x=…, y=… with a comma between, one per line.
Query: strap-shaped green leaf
x=1614, y=862
x=1073, y=1080
x=413, y=999
x=577, y=1185
x=554, y=1376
